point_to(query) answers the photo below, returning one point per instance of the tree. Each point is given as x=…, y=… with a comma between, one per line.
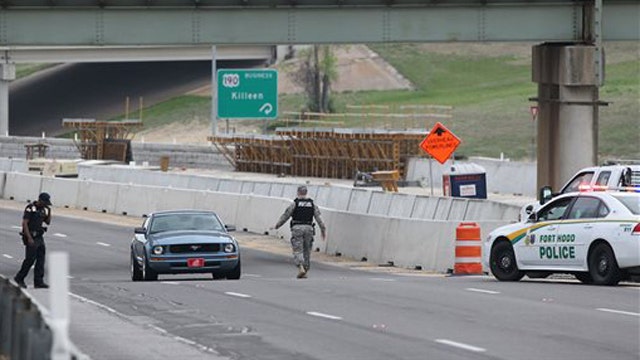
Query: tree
x=316, y=73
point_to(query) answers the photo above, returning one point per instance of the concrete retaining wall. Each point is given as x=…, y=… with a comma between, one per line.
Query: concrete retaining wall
x=191, y=156
x=503, y=177
x=407, y=242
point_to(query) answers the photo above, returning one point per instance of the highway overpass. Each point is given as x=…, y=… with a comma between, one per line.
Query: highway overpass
x=568, y=65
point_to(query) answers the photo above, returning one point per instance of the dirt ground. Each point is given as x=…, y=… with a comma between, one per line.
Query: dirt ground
x=359, y=68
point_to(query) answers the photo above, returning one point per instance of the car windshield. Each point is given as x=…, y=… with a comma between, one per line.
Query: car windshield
x=630, y=202
x=185, y=221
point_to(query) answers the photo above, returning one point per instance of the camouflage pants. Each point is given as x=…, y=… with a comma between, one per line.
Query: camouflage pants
x=301, y=243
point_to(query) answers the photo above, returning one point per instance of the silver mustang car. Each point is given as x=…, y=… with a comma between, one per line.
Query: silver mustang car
x=185, y=241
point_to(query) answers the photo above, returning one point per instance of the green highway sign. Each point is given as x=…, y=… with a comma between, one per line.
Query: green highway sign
x=247, y=94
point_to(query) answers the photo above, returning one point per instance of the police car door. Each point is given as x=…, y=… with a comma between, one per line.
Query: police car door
x=580, y=227
x=537, y=249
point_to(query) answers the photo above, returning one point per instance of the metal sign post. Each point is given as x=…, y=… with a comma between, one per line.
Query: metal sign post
x=214, y=93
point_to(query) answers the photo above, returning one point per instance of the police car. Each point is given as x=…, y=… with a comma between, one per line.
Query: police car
x=594, y=235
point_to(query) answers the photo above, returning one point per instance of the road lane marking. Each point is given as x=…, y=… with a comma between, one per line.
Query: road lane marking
x=618, y=312
x=170, y=282
x=103, y=244
x=94, y=303
x=7, y=256
x=460, y=345
x=60, y=235
x=240, y=295
x=16, y=227
x=325, y=316
x=252, y=275
x=483, y=291
x=383, y=279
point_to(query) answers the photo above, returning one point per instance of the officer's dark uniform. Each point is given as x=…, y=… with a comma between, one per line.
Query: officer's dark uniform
x=35, y=253
x=302, y=213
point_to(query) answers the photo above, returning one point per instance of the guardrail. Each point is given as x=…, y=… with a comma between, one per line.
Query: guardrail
x=24, y=333
x=27, y=330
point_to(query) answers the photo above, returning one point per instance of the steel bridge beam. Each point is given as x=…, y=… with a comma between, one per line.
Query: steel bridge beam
x=433, y=21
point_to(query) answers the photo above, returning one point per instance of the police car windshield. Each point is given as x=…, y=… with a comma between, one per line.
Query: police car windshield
x=180, y=222
x=630, y=202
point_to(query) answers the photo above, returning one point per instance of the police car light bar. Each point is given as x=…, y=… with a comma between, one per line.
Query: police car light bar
x=586, y=188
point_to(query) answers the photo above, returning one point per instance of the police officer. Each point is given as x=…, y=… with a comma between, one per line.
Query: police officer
x=302, y=212
x=35, y=214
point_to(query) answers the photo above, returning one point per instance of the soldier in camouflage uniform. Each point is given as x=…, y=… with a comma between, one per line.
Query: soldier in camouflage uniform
x=302, y=212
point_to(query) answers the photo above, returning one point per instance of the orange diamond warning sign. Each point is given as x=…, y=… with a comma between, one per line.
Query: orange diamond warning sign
x=440, y=143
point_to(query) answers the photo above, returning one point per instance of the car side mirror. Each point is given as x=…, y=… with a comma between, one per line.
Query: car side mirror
x=545, y=194
x=528, y=210
x=230, y=228
x=533, y=217
x=139, y=230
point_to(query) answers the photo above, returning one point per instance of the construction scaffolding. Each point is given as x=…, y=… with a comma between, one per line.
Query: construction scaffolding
x=103, y=140
x=321, y=152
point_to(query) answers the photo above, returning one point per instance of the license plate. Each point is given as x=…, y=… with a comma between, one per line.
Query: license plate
x=195, y=263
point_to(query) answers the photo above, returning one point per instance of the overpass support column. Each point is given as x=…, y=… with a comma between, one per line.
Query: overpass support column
x=568, y=100
x=7, y=74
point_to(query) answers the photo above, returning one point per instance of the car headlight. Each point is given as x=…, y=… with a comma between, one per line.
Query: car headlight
x=229, y=248
x=157, y=250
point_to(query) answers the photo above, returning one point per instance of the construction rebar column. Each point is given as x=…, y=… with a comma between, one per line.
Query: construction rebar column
x=7, y=74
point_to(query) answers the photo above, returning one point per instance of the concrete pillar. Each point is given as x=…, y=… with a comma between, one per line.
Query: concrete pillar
x=7, y=74
x=568, y=110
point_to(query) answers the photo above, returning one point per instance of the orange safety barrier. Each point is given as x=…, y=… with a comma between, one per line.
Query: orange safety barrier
x=468, y=250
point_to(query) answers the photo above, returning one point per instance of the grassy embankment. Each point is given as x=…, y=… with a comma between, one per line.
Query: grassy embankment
x=489, y=92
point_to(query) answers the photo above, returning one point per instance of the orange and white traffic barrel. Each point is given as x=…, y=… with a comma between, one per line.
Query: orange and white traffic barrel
x=468, y=250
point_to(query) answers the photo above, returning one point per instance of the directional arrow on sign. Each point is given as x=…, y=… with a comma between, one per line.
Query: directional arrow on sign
x=440, y=143
x=266, y=108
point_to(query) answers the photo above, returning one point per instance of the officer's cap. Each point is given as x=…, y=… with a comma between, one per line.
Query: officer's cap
x=45, y=198
x=302, y=190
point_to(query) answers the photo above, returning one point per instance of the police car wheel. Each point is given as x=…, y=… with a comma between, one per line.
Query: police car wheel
x=584, y=277
x=147, y=273
x=603, y=266
x=136, y=272
x=503, y=262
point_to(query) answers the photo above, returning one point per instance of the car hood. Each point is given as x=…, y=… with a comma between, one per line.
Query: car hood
x=190, y=237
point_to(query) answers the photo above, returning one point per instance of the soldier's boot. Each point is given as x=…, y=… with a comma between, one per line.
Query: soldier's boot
x=302, y=273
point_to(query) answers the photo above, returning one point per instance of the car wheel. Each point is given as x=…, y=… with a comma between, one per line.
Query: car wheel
x=148, y=273
x=603, y=266
x=584, y=277
x=136, y=272
x=235, y=273
x=503, y=262
x=217, y=276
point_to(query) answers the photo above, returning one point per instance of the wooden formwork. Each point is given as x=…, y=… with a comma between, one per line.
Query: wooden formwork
x=103, y=140
x=321, y=152
x=255, y=153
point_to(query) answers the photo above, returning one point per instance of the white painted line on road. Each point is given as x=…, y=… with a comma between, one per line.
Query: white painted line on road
x=159, y=329
x=60, y=235
x=69, y=277
x=460, y=345
x=325, y=316
x=88, y=301
x=103, y=244
x=618, y=312
x=16, y=227
x=170, y=282
x=383, y=279
x=483, y=291
x=7, y=256
x=240, y=295
x=252, y=275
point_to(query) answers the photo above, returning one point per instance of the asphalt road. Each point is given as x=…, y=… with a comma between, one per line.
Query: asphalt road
x=98, y=91
x=340, y=313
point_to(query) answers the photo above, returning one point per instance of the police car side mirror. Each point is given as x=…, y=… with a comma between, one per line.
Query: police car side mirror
x=230, y=228
x=533, y=217
x=140, y=230
x=529, y=210
x=545, y=194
